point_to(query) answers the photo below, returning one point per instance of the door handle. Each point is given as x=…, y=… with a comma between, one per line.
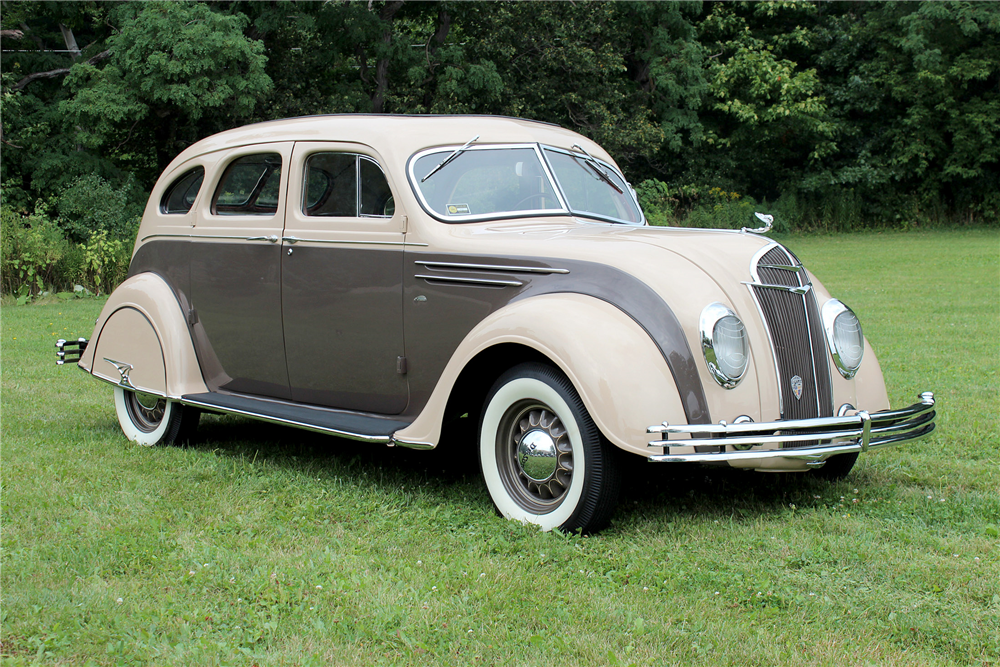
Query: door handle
x=273, y=238
x=291, y=239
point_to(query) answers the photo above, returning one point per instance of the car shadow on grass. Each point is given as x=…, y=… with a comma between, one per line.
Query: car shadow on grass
x=651, y=493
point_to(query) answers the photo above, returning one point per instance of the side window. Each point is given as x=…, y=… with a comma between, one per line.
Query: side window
x=250, y=186
x=376, y=197
x=345, y=185
x=331, y=185
x=180, y=196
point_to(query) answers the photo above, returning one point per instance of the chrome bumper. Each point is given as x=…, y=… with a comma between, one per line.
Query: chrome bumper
x=70, y=350
x=820, y=438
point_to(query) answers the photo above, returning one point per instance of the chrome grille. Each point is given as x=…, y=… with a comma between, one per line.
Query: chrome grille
x=796, y=334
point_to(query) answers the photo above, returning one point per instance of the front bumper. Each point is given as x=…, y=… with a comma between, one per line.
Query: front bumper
x=811, y=440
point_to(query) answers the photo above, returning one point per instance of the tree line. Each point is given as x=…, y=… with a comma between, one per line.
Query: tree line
x=835, y=115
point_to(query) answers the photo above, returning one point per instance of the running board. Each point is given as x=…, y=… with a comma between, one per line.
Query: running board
x=353, y=425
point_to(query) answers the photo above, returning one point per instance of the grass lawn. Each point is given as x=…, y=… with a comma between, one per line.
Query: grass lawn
x=262, y=545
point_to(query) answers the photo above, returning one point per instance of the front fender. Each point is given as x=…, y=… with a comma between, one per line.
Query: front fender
x=616, y=368
x=143, y=326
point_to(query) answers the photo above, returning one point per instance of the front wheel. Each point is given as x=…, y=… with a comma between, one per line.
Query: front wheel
x=152, y=420
x=543, y=459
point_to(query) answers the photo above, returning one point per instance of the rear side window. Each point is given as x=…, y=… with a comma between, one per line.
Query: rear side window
x=346, y=185
x=250, y=186
x=180, y=196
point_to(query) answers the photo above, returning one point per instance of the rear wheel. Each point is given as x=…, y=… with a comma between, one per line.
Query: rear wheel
x=149, y=419
x=543, y=459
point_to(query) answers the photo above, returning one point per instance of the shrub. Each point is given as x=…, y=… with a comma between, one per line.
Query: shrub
x=92, y=204
x=32, y=248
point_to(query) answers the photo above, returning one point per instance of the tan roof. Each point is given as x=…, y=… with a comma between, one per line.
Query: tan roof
x=395, y=137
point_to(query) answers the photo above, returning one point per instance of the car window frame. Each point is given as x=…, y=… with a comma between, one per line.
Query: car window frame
x=414, y=180
x=538, y=147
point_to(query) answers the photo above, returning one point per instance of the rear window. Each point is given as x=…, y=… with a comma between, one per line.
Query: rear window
x=180, y=196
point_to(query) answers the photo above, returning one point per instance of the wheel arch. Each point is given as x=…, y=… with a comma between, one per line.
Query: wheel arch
x=145, y=300
x=610, y=360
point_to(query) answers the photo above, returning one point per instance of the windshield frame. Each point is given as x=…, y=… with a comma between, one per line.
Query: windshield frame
x=590, y=214
x=537, y=147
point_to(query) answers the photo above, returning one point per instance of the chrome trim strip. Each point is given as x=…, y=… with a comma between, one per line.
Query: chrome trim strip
x=490, y=267
x=786, y=267
x=378, y=439
x=804, y=289
x=410, y=444
x=471, y=281
x=863, y=431
x=284, y=238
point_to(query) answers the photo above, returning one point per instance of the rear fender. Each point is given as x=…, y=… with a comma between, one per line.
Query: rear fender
x=612, y=362
x=141, y=341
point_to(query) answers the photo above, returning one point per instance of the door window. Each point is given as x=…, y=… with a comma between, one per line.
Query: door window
x=250, y=186
x=345, y=185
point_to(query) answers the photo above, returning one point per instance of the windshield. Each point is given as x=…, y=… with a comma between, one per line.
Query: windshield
x=486, y=181
x=489, y=182
x=583, y=184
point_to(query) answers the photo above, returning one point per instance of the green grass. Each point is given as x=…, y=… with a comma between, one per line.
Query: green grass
x=270, y=546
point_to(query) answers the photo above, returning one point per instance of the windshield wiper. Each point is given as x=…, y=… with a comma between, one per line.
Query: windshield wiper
x=451, y=157
x=596, y=166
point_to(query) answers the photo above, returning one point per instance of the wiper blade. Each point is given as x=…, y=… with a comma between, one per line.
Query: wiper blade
x=451, y=157
x=596, y=166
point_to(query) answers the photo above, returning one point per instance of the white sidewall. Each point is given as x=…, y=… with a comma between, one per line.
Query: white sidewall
x=129, y=428
x=516, y=390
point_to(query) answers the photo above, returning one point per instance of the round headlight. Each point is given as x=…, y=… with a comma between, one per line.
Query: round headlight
x=844, y=336
x=724, y=342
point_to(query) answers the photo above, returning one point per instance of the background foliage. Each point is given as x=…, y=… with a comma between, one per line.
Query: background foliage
x=832, y=115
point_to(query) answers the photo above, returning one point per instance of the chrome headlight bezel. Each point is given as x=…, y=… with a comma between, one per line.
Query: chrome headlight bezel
x=847, y=361
x=711, y=316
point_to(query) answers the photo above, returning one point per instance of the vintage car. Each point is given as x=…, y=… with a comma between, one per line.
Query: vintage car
x=385, y=278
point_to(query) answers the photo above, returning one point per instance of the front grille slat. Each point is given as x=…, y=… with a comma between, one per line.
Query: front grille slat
x=796, y=334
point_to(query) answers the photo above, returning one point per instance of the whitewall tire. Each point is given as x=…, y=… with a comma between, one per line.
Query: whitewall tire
x=543, y=459
x=151, y=420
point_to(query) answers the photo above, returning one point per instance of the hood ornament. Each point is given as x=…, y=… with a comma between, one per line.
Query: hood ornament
x=796, y=383
x=768, y=221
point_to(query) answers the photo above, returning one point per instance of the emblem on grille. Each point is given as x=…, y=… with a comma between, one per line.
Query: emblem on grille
x=796, y=383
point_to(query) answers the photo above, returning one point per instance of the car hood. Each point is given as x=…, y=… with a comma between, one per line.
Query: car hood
x=722, y=257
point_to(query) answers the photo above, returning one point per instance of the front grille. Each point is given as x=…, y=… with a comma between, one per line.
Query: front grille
x=796, y=334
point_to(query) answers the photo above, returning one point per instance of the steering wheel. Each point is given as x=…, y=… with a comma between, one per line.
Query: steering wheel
x=537, y=195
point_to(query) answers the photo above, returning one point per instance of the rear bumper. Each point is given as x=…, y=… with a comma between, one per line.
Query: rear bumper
x=811, y=440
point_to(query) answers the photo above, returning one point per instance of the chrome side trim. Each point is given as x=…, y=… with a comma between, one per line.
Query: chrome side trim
x=854, y=433
x=470, y=281
x=294, y=239
x=286, y=238
x=490, y=267
x=377, y=439
x=411, y=444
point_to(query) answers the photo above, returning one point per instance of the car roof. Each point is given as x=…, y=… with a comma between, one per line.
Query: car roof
x=397, y=136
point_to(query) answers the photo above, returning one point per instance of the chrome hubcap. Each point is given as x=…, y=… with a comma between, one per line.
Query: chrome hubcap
x=535, y=456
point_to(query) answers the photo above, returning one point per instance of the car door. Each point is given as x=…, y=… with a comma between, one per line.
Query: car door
x=341, y=281
x=235, y=272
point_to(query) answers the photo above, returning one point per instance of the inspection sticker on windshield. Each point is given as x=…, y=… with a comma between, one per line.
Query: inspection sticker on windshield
x=458, y=209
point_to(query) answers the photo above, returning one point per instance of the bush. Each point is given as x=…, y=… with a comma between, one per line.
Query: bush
x=92, y=204
x=32, y=248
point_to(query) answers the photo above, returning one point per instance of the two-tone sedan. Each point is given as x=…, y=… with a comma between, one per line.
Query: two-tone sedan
x=385, y=278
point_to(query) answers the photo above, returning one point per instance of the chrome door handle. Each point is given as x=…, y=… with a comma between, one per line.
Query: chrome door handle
x=290, y=239
x=273, y=238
